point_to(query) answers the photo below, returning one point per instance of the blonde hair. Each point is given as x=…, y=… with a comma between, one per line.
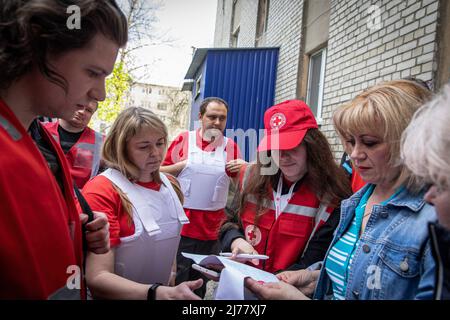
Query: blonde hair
x=385, y=109
x=426, y=141
x=114, y=152
x=176, y=187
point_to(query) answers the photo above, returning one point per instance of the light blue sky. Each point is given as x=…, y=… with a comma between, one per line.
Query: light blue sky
x=190, y=23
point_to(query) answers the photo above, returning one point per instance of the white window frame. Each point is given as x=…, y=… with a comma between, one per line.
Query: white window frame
x=198, y=83
x=265, y=19
x=319, y=118
x=234, y=36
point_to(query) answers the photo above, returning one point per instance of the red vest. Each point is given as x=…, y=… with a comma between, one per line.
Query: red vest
x=356, y=180
x=84, y=156
x=283, y=239
x=40, y=232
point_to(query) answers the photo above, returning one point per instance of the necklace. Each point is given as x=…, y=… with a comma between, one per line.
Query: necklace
x=363, y=207
x=368, y=213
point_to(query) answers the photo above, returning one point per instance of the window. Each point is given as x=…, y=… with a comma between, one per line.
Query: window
x=235, y=38
x=197, y=86
x=162, y=106
x=235, y=23
x=315, y=30
x=147, y=90
x=261, y=21
x=316, y=77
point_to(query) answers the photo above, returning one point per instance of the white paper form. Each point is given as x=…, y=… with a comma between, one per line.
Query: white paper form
x=231, y=282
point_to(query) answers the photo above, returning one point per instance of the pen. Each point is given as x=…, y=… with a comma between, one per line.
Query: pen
x=245, y=256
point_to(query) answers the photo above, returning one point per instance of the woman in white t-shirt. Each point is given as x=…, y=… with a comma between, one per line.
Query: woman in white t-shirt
x=144, y=212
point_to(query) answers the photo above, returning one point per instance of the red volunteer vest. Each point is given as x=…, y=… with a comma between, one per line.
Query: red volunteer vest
x=40, y=232
x=82, y=157
x=357, y=181
x=283, y=239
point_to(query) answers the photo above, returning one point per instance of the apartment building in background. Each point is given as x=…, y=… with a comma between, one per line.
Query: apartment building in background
x=169, y=103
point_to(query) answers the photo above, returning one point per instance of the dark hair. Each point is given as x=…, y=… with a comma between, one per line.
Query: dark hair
x=325, y=178
x=31, y=30
x=208, y=101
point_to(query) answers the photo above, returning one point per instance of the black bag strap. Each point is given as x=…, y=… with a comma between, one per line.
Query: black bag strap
x=87, y=210
x=83, y=203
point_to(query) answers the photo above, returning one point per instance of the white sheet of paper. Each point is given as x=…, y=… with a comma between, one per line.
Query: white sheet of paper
x=231, y=282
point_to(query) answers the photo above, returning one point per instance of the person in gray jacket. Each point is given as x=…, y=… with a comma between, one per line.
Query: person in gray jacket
x=426, y=152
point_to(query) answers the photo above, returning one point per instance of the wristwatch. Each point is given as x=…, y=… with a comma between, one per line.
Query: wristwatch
x=151, y=294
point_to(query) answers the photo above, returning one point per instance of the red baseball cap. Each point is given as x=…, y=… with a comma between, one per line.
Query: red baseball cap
x=285, y=125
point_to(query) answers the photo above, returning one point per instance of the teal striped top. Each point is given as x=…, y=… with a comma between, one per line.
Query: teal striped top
x=340, y=256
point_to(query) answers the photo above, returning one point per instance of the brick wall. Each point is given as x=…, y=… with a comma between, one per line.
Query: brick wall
x=402, y=45
x=223, y=24
x=248, y=12
x=284, y=31
x=360, y=53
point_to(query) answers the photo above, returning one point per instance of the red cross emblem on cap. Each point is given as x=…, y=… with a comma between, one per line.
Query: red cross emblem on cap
x=277, y=121
x=253, y=235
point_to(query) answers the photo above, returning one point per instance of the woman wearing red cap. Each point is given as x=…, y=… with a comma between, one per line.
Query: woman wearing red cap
x=287, y=200
x=381, y=249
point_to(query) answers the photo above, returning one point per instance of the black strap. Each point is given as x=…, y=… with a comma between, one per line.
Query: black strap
x=87, y=210
x=151, y=293
x=84, y=205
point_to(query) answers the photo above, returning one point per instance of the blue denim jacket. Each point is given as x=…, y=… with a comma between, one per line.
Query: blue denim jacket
x=393, y=259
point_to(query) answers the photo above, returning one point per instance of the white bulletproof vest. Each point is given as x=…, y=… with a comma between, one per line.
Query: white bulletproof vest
x=204, y=181
x=147, y=255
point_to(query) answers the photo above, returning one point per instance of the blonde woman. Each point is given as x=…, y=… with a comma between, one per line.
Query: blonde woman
x=381, y=248
x=144, y=212
x=426, y=152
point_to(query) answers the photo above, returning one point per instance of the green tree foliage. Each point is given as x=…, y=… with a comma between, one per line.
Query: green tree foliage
x=141, y=17
x=117, y=86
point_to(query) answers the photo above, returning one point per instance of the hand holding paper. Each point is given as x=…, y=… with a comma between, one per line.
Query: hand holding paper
x=274, y=291
x=232, y=276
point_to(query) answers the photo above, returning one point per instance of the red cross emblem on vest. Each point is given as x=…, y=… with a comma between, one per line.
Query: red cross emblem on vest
x=253, y=235
x=277, y=121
